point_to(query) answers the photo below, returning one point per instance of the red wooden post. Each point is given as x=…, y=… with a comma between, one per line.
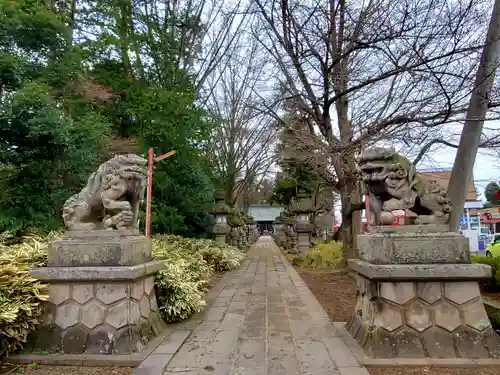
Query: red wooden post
x=149, y=193
x=149, y=190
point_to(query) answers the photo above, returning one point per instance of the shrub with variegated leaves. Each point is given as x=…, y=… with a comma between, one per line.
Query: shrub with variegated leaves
x=21, y=296
x=189, y=265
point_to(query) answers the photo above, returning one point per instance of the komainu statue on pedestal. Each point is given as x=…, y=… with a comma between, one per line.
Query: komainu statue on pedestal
x=111, y=198
x=393, y=184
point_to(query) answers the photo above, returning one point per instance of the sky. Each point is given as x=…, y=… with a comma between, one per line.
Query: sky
x=486, y=166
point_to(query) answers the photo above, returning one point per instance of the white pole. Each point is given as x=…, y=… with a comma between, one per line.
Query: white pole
x=468, y=219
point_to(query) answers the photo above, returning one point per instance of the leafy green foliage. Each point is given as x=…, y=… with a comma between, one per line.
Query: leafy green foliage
x=493, y=283
x=189, y=265
x=49, y=139
x=166, y=119
x=46, y=157
x=21, y=296
x=296, y=177
x=323, y=255
x=62, y=95
x=180, y=286
x=182, y=190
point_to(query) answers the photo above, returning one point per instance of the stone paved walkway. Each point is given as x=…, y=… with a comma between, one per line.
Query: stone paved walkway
x=264, y=321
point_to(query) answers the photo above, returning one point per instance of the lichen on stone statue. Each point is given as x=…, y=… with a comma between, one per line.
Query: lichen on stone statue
x=393, y=183
x=111, y=198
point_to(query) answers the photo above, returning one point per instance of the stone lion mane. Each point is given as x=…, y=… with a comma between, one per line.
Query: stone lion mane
x=393, y=183
x=111, y=198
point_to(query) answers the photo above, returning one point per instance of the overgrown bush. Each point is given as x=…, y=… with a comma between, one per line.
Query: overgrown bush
x=493, y=283
x=189, y=265
x=323, y=255
x=180, y=286
x=20, y=295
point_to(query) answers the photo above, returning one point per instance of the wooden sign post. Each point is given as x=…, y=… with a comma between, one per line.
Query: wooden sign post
x=149, y=189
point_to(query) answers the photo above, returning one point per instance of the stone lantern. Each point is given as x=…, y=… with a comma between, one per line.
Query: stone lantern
x=251, y=230
x=289, y=220
x=234, y=223
x=278, y=232
x=302, y=208
x=221, y=211
x=243, y=234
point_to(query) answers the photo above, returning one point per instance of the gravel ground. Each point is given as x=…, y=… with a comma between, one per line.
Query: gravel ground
x=337, y=294
x=5, y=368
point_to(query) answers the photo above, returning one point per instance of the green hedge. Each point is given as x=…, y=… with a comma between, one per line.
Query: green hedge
x=323, y=255
x=180, y=286
x=492, y=284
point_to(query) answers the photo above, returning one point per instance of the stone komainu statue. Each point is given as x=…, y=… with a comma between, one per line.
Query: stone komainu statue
x=393, y=184
x=111, y=198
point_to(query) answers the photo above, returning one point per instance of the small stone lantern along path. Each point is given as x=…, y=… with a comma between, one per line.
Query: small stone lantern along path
x=264, y=321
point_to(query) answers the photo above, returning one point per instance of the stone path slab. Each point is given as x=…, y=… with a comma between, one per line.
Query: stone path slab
x=263, y=321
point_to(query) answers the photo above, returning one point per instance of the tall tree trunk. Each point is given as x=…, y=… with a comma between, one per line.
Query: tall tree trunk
x=123, y=34
x=350, y=198
x=478, y=108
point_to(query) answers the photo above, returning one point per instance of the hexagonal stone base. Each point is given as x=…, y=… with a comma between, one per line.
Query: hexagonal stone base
x=415, y=319
x=99, y=318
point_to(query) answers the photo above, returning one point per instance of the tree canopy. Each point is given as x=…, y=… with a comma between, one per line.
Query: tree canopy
x=79, y=81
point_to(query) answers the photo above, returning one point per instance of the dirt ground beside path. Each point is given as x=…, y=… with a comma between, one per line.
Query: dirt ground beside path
x=74, y=370
x=336, y=292
x=434, y=371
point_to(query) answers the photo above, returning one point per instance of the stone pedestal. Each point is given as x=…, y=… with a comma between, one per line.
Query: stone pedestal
x=243, y=238
x=279, y=237
x=293, y=241
x=234, y=236
x=418, y=296
x=303, y=230
x=102, y=297
x=221, y=230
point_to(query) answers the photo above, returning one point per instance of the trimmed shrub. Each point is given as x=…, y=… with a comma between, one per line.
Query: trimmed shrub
x=323, y=255
x=20, y=295
x=493, y=283
x=189, y=265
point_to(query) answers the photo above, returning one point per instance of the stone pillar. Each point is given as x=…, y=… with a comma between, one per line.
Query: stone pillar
x=250, y=234
x=418, y=295
x=301, y=207
x=303, y=229
x=293, y=240
x=101, y=289
x=256, y=232
x=243, y=237
x=221, y=212
x=279, y=233
x=221, y=230
x=234, y=236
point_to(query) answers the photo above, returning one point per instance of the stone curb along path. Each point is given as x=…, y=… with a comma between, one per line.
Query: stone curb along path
x=264, y=320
